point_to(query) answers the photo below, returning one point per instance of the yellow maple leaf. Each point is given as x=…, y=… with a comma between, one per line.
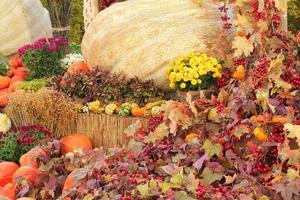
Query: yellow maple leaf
x=281, y=5
x=294, y=131
x=242, y=46
x=275, y=69
x=243, y=24
x=280, y=86
x=262, y=97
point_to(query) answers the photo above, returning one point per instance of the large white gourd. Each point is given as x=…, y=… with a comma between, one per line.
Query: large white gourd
x=140, y=37
x=21, y=22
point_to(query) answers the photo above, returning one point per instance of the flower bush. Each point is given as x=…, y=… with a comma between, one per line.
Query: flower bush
x=71, y=58
x=193, y=71
x=15, y=143
x=43, y=56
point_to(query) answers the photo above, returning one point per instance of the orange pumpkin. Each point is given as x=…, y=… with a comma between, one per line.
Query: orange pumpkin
x=15, y=62
x=8, y=191
x=280, y=119
x=190, y=137
x=239, y=73
x=4, y=82
x=16, y=79
x=138, y=112
x=260, y=134
x=75, y=141
x=4, y=99
x=78, y=67
x=27, y=173
x=11, y=72
x=70, y=182
x=7, y=170
x=30, y=158
x=21, y=72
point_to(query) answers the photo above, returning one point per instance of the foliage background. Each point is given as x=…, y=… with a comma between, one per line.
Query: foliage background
x=77, y=26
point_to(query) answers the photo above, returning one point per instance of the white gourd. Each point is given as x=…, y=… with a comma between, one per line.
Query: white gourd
x=141, y=37
x=22, y=22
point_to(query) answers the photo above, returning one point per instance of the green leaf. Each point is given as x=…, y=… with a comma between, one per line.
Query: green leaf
x=182, y=195
x=212, y=149
x=89, y=197
x=165, y=187
x=177, y=179
x=209, y=177
x=143, y=189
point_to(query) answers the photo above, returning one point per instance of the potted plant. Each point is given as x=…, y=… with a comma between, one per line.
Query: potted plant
x=195, y=74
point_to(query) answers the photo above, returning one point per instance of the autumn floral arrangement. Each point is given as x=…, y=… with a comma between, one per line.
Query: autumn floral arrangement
x=43, y=56
x=193, y=72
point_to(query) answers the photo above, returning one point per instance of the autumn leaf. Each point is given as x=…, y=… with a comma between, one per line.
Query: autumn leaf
x=182, y=195
x=276, y=66
x=143, y=189
x=208, y=177
x=294, y=131
x=212, y=149
x=285, y=152
x=280, y=86
x=242, y=24
x=165, y=187
x=158, y=134
x=177, y=179
x=133, y=128
x=240, y=130
x=262, y=96
x=242, y=46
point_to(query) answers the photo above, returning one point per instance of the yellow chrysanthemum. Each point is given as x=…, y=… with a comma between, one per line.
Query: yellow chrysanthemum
x=183, y=85
x=194, y=82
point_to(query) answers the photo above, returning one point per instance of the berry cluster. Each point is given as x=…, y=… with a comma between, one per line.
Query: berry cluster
x=260, y=71
x=200, y=191
x=224, y=10
x=223, y=81
x=260, y=168
x=154, y=122
x=292, y=76
x=277, y=134
x=220, y=189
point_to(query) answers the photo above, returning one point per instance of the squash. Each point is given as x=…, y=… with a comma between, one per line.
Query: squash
x=4, y=82
x=190, y=137
x=14, y=86
x=138, y=112
x=70, y=182
x=78, y=67
x=26, y=198
x=120, y=41
x=74, y=142
x=239, y=73
x=280, y=119
x=16, y=79
x=27, y=173
x=260, y=134
x=21, y=72
x=212, y=115
x=8, y=191
x=15, y=62
x=11, y=72
x=7, y=170
x=111, y=108
x=30, y=158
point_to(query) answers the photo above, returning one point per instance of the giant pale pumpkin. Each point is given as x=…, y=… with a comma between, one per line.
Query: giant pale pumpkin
x=7, y=170
x=141, y=37
x=75, y=141
x=27, y=173
x=30, y=158
x=22, y=22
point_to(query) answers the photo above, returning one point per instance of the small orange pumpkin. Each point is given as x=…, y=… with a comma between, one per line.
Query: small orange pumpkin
x=260, y=134
x=27, y=173
x=70, y=182
x=30, y=158
x=75, y=141
x=8, y=191
x=15, y=62
x=78, y=67
x=138, y=112
x=21, y=72
x=4, y=82
x=190, y=137
x=4, y=99
x=239, y=73
x=7, y=170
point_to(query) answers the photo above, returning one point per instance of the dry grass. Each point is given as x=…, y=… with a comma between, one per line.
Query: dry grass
x=45, y=107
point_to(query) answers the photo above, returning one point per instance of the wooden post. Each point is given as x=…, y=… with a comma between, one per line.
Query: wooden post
x=90, y=10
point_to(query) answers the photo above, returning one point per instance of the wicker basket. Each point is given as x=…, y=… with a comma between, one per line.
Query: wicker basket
x=103, y=130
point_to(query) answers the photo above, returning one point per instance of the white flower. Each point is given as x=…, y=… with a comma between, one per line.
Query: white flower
x=71, y=58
